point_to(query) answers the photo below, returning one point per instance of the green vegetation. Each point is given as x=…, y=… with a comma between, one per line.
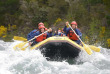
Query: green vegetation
x=19, y=17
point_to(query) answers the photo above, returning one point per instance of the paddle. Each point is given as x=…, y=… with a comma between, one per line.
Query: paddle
x=19, y=38
x=87, y=49
x=94, y=48
x=22, y=45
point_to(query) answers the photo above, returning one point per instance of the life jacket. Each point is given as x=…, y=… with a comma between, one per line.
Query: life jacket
x=72, y=35
x=41, y=38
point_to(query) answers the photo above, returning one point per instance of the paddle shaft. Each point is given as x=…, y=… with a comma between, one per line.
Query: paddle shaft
x=22, y=44
x=92, y=47
x=38, y=36
x=76, y=34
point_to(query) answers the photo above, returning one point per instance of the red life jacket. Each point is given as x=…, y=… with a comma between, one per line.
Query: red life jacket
x=41, y=38
x=61, y=34
x=72, y=35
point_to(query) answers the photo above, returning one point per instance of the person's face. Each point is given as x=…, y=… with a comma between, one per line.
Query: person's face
x=76, y=27
x=42, y=30
x=40, y=25
x=55, y=31
x=73, y=26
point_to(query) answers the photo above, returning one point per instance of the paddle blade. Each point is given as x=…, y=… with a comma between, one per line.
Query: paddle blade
x=94, y=48
x=87, y=49
x=20, y=46
x=24, y=48
x=19, y=38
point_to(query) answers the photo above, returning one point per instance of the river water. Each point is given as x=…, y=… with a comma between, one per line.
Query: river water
x=33, y=62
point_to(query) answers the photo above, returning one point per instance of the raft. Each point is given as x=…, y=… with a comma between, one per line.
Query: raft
x=58, y=48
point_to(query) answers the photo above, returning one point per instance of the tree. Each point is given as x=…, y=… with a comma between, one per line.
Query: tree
x=8, y=9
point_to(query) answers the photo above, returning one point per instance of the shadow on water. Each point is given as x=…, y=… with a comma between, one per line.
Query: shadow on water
x=60, y=52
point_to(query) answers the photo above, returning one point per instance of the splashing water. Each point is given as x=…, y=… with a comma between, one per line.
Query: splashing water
x=33, y=62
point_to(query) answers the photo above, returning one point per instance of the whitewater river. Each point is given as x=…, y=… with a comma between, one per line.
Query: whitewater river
x=33, y=62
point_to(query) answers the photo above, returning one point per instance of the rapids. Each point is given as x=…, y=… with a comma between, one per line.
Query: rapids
x=33, y=62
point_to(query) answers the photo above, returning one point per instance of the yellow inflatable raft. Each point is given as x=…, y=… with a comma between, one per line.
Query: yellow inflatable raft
x=58, y=47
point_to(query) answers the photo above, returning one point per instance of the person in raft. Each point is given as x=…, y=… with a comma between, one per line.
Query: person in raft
x=71, y=34
x=58, y=33
x=43, y=36
x=33, y=33
x=63, y=33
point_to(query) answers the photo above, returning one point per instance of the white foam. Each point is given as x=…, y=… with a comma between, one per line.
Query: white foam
x=33, y=62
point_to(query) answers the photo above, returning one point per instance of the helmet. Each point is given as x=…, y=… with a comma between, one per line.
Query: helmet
x=59, y=30
x=74, y=22
x=41, y=24
x=41, y=27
